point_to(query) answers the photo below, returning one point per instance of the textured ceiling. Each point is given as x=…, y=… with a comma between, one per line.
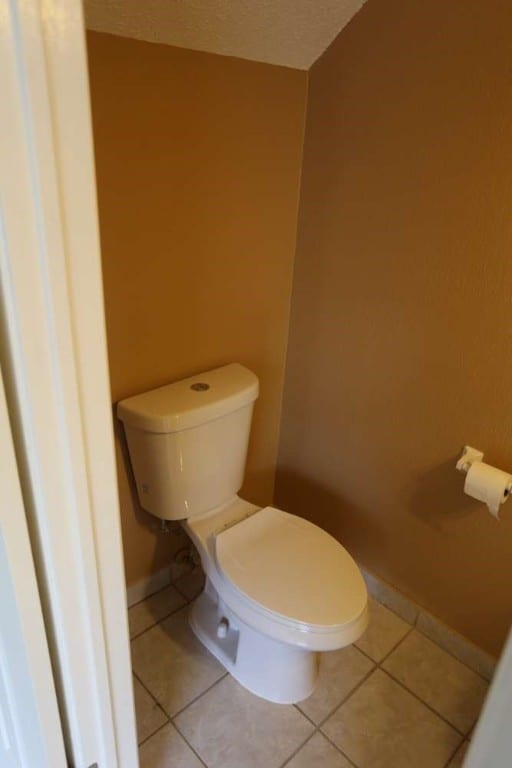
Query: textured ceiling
x=293, y=33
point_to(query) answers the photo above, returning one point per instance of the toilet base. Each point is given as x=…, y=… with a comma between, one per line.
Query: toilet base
x=268, y=668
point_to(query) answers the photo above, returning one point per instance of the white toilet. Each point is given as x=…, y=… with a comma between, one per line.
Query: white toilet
x=278, y=588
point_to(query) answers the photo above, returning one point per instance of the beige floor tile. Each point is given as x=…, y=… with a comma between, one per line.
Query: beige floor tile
x=166, y=749
x=381, y=725
x=385, y=630
x=154, y=609
x=230, y=728
x=149, y=715
x=191, y=583
x=318, y=752
x=458, y=759
x=448, y=686
x=340, y=672
x=173, y=664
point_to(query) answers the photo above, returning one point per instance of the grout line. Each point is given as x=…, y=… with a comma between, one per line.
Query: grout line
x=447, y=764
x=190, y=746
x=168, y=719
x=186, y=597
x=143, y=632
x=302, y=744
x=390, y=674
x=193, y=701
x=304, y=715
x=365, y=654
x=158, y=621
x=388, y=653
x=182, y=593
x=425, y=704
x=345, y=698
x=143, y=684
x=347, y=758
x=395, y=647
x=147, y=738
x=150, y=594
x=376, y=665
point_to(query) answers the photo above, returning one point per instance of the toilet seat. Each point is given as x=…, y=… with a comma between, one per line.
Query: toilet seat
x=217, y=536
x=291, y=569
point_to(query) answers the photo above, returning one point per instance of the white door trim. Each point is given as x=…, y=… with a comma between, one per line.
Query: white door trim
x=30, y=729
x=491, y=745
x=56, y=375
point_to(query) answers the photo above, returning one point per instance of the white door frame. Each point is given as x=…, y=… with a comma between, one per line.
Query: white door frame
x=56, y=374
x=491, y=745
x=30, y=729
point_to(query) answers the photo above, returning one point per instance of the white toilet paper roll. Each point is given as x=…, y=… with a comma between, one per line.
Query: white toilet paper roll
x=488, y=484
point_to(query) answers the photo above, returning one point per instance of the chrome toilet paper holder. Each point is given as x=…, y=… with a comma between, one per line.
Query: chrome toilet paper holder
x=469, y=456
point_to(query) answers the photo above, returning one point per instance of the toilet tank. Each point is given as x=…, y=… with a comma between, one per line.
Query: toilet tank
x=188, y=441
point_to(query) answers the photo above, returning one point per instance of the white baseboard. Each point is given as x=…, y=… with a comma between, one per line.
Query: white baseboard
x=146, y=586
x=464, y=650
x=156, y=581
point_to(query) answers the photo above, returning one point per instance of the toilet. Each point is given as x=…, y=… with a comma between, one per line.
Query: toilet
x=279, y=590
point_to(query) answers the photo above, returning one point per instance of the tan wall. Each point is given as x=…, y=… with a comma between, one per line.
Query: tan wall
x=198, y=163
x=401, y=331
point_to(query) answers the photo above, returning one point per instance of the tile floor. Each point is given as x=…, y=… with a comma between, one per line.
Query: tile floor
x=393, y=700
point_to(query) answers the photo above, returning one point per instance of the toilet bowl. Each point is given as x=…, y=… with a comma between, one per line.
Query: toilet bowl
x=279, y=589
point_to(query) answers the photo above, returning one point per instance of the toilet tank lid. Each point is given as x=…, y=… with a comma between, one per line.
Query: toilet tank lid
x=191, y=402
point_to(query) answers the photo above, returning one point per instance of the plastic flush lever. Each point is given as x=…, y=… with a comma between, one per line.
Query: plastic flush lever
x=222, y=628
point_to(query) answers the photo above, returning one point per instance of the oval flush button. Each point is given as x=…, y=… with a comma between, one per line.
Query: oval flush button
x=200, y=386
